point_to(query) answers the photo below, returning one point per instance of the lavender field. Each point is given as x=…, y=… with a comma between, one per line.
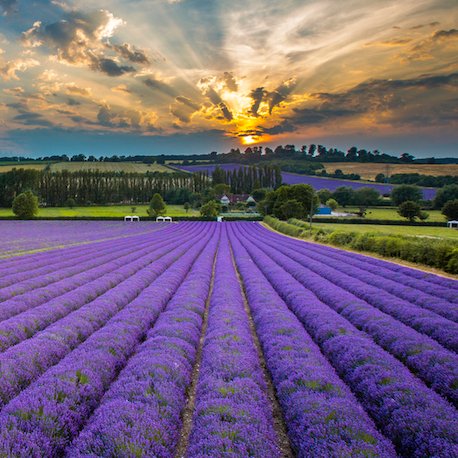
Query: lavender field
x=316, y=182
x=200, y=339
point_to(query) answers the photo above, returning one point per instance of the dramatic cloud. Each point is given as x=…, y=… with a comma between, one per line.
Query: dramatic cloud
x=9, y=70
x=258, y=96
x=131, y=53
x=230, y=81
x=183, y=108
x=110, y=67
x=82, y=39
x=300, y=70
x=281, y=93
x=160, y=86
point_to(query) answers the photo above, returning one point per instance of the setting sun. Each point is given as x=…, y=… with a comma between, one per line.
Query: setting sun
x=249, y=139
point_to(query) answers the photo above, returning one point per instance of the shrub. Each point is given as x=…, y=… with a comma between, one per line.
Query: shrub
x=156, y=206
x=450, y=209
x=25, y=205
x=409, y=210
x=211, y=208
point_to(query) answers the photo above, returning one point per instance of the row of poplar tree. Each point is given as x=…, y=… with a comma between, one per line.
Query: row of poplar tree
x=96, y=187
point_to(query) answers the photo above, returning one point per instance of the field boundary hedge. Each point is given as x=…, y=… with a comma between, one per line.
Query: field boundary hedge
x=441, y=254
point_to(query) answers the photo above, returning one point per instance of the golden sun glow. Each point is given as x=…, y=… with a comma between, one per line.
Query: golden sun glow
x=249, y=140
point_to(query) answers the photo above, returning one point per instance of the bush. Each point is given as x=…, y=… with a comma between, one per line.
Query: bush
x=409, y=210
x=450, y=209
x=445, y=194
x=25, y=205
x=404, y=193
x=285, y=228
x=156, y=206
x=332, y=204
x=211, y=208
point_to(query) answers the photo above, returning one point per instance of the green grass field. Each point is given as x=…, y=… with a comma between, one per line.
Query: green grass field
x=418, y=231
x=392, y=214
x=108, y=211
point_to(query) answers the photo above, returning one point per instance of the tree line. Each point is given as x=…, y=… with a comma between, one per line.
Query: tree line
x=312, y=152
x=245, y=179
x=96, y=187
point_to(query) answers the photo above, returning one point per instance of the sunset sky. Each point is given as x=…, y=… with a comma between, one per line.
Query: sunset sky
x=194, y=76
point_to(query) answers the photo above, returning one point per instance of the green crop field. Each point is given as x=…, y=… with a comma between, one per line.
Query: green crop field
x=107, y=211
x=418, y=231
x=390, y=213
x=6, y=167
x=131, y=167
x=368, y=171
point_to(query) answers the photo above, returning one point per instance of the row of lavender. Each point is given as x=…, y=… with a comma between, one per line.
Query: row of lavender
x=105, y=368
x=57, y=378
x=417, y=420
x=23, y=236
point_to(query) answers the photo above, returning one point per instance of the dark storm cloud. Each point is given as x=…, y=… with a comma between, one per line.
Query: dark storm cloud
x=281, y=93
x=160, y=86
x=188, y=102
x=434, y=94
x=110, y=67
x=257, y=95
x=285, y=126
x=183, y=108
x=444, y=34
x=32, y=119
x=216, y=99
x=82, y=39
x=131, y=53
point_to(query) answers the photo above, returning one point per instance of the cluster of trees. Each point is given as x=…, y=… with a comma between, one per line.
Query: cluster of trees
x=95, y=187
x=295, y=201
x=418, y=179
x=345, y=196
x=311, y=152
x=250, y=154
x=245, y=179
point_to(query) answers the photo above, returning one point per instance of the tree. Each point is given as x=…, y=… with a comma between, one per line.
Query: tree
x=332, y=204
x=186, y=206
x=221, y=188
x=25, y=205
x=450, y=209
x=211, y=209
x=366, y=196
x=274, y=202
x=410, y=210
x=259, y=194
x=156, y=206
x=290, y=208
x=380, y=178
x=449, y=192
x=404, y=193
x=343, y=195
x=324, y=195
